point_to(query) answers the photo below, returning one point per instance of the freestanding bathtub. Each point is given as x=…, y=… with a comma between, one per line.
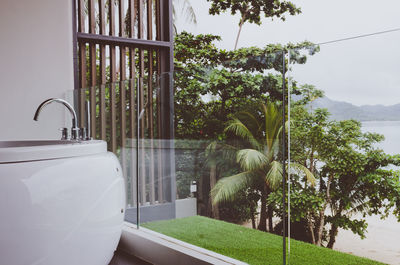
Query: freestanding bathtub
x=61, y=202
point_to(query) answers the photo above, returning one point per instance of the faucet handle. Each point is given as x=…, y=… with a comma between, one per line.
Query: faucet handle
x=75, y=133
x=83, y=134
x=64, y=133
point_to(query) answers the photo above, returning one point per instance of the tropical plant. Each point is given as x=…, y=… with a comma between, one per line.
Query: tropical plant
x=262, y=170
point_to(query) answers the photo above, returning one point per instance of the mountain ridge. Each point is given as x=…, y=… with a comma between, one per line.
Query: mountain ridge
x=341, y=110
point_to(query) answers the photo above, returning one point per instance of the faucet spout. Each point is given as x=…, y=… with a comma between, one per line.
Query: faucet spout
x=58, y=100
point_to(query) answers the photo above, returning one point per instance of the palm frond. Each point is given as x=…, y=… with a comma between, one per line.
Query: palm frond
x=217, y=152
x=286, y=127
x=188, y=11
x=227, y=188
x=273, y=123
x=250, y=120
x=362, y=207
x=309, y=176
x=274, y=147
x=239, y=129
x=211, y=148
x=274, y=175
x=250, y=159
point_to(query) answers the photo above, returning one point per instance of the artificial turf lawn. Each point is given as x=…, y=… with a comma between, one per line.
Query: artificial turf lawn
x=249, y=245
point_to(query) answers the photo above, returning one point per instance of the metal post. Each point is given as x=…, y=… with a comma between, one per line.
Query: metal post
x=74, y=48
x=137, y=151
x=289, y=89
x=283, y=158
x=167, y=101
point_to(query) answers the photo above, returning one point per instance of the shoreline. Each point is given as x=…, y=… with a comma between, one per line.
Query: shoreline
x=381, y=242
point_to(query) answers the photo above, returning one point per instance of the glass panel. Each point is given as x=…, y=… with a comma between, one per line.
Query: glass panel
x=219, y=156
x=344, y=127
x=224, y=161
x=105, y=124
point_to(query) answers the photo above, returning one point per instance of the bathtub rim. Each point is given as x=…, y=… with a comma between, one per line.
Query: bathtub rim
x=37, y=150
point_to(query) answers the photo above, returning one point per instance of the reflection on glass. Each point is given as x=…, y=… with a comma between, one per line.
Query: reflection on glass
x=224, y=161
x=344, y=130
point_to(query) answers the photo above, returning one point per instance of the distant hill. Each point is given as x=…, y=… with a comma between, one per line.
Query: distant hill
x=344, y=111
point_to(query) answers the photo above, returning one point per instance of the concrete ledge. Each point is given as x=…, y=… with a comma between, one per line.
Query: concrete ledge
x=158, y=249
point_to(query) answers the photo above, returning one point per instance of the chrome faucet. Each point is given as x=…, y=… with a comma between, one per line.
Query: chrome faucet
x=75, y=131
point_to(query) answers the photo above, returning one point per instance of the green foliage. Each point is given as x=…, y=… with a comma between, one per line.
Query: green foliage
x=309, y=94
x=239, y=211
x=227, y=188
x=352, y=173
x=251, y=11
x=347, y=173
x=213, y=83
x=250, y=159
x=261, y=168
x=258, y=162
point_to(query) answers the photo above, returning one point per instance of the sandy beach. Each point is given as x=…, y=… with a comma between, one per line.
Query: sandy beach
x=381, y=242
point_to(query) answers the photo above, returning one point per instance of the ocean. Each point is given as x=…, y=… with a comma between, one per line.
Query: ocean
x=391, y=131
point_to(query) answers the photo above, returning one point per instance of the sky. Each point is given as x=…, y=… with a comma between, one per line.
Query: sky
x=364, y=71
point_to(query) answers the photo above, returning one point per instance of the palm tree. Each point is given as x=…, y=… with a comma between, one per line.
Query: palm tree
x=261, y=169
x=186, y=11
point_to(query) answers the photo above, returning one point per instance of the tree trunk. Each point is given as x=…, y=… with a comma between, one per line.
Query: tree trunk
x=311, y=228
x=201, y=206
x=332, y=236
x=270, y=215
x=334, y=228
x=213, y=181
x=321, y=225
x=242, y=20
x=322, y=212
x=262, y=225
x=312, y=161
x=253, y=221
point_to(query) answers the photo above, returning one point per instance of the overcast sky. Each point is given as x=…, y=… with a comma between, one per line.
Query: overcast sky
x=361, y=71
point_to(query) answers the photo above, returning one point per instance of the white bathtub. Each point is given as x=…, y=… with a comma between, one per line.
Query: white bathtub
x=61, y=203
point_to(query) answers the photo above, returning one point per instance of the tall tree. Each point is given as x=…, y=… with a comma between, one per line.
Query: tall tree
x=251, y=11
x=351, y=174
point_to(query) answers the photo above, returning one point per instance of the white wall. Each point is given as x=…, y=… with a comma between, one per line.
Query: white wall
x=186, y=207
x=35, y=64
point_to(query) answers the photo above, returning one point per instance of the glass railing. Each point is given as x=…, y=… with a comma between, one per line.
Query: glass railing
x=287, y=163
x=224, y=162
x=216, y=154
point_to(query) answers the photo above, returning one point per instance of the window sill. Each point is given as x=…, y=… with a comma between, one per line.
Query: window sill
x=157, y=248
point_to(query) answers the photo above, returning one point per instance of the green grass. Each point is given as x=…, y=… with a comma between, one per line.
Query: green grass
x=249, y=245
